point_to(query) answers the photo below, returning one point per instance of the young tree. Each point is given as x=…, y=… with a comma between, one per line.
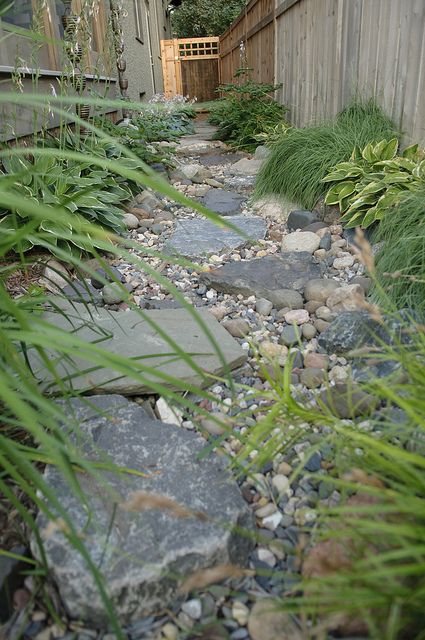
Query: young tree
x=198, y=18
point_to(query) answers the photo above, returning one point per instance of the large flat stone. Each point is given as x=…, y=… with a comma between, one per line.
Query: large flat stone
x=226, y=203
x=262, y=276
x=193, y=238
x=137, y=336
x=143, y=553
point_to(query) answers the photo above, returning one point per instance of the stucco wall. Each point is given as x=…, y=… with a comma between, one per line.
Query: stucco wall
x=144, y=25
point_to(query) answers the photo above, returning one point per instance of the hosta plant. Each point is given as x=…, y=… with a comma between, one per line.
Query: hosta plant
x=374, y=179
x=89, y=193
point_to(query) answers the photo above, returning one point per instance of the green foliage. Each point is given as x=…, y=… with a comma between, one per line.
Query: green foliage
x=400, y=264
x=88, y=193
x=374, y=180
x=198, y=18
x=303, y=157
x=246, y=111
x=371, y=566
x=272, y=134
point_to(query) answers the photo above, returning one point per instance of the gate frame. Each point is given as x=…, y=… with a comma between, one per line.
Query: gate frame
x=173, y=80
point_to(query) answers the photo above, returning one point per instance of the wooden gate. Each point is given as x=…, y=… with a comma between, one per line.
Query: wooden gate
x=191, y=67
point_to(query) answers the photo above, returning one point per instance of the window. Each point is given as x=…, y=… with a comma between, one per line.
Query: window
x=20, y=14
x=138, y=20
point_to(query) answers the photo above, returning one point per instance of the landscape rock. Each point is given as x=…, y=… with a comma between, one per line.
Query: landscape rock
x=297, y=316
x=283, y=298
x=347, y=400
x=309, y=331
x=197, y=237
x=130, y=220
x=55, y=276
x=263, y=306
x=346, y=298
x=130, y=334
x=238, y=327
x=344, y=261
x=312, y=377
x=300, y=218
x=319, y=289
x=262, y=152
x=267, y=621
x=290, y=335
x=140, y=541
x=349, y=331
x=226, y=203
x=246, y=167
x=274, y=352
x=277, y=209
x=264, y=276
x=81, y=291
x=301, y=241
x=114, y=293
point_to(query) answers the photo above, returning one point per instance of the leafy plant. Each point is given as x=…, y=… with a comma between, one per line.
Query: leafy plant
x=367, y=186
x=400, y=264
x=272, y=134
x=198, y=18
x=245, y=111
x=303, y=157
x=88, y=193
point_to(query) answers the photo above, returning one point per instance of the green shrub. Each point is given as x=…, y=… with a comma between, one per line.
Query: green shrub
x=303, y=157
x=400, y=264
x=246, y=111
x=367, y=186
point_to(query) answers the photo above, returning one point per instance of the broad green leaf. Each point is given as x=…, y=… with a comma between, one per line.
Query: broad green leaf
x=368, y=154
x=410, y=152
x=390, y=149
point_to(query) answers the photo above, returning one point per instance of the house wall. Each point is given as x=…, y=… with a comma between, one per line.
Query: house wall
x=146, y=23
x=325, y=52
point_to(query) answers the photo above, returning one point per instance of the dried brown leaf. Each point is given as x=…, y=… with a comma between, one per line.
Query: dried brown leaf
x=144, y=501
x=205, y=577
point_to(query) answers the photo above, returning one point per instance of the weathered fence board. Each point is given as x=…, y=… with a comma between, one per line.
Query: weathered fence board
x=327, y=51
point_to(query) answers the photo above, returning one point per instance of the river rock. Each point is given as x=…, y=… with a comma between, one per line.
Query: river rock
x=267, y=621
x=347, y=400
x=130, y=220
x=349, y=331
x=132, y=335
x=246, y=167
x=301, y=241
x=346, y=298
x=143, y=550
x=197, y=237
x=320, y=289
x=300, y=218
x=264, y=276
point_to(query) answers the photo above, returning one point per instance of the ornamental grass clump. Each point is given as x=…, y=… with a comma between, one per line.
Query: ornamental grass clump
x=400, y=264
x=303, y=157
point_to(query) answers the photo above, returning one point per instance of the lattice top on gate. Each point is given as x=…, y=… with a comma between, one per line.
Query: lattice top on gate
x=198, y=47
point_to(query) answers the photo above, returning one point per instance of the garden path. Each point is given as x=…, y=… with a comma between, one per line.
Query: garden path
x=289, y=285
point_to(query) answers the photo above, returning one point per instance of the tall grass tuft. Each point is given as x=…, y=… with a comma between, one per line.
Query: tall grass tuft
x=304, y=156
x=401, y=261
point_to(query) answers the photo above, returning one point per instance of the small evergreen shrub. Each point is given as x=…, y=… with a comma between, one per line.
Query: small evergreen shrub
x=246, y=111
x=303, y=157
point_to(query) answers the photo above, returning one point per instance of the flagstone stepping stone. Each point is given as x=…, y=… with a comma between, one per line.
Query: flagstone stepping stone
x=193, y=238
x=146, y=534
x=226, y=203
x=247, y=167
x=263, y=277
x=138, y=336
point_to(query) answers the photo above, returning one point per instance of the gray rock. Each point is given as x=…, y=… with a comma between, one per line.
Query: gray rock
x=263, y=306
x=262, y=152
x=11, y=579
x=143, y=551
x=193, y=238
x=238, y=327
x=300, y=219
x=226, y=203
x=264, y=276
x=309, y=331
x=325, y=242
x=246, y=167
x=81, y=292
x=312, y=377
x=315, y=226
x=130, y=220
x=283, y=298
x=212, y=160
x=133, y=335
x=349, y=331
x=348, y=400
x=114, y=293
x=320, y=290
x=301, y=241
x=363, y=281
x=290, y=335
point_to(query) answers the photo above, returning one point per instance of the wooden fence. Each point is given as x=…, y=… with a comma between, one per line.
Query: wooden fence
x=327, y=51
